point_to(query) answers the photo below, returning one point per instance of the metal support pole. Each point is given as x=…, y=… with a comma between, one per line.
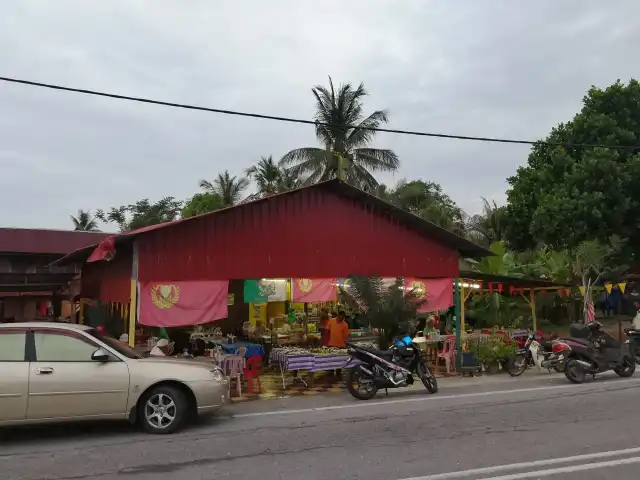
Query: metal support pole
x=458, y=301
x=532, y=302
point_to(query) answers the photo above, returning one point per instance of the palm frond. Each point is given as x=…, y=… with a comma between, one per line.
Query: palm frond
x=362, y=135
x=386, y=306
x=377, y=159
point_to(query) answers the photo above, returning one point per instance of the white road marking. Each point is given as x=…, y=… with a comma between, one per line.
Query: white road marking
x=539, y=463
x=363, y=404
x=570, y=469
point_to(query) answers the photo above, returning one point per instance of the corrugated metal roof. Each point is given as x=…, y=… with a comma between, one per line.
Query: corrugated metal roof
x=40, y=241
x=338, y=187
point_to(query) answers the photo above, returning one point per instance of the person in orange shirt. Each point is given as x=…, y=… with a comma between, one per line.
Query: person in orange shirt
x=338, y=330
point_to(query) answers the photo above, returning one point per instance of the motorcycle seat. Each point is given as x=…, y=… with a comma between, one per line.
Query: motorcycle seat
x=583, y=341
x=380, y=353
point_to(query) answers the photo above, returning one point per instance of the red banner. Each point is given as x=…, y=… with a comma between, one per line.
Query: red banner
x=438, y=291
x=313, y=290
x=178, y=304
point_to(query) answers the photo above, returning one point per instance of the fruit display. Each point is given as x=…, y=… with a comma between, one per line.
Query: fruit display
x=328, y=351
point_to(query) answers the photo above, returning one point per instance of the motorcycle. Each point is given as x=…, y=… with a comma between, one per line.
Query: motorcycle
x=595, y=351
x=634, y=336
x=633, y=342
x=544, y=355
x=387, y=369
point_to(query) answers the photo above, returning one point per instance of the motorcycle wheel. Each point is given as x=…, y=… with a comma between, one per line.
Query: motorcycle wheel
x=628, y=369
x=428, y=380
x=574, y=372
x=517, y=364
x=355, y=377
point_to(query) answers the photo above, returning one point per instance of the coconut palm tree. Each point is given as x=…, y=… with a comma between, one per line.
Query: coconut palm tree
x=85, y=222
x=488, y=227
x=288, y=181
x=267, y=174
x=345, y=136
x=229, y=188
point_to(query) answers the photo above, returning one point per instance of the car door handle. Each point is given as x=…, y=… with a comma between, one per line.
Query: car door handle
x=44, y=371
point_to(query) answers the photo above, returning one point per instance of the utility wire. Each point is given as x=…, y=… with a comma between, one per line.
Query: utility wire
x=309, y=122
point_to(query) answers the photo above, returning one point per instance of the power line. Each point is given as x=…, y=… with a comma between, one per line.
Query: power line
x=307, y=122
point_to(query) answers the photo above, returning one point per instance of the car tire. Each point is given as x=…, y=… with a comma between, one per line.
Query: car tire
x=163, y=410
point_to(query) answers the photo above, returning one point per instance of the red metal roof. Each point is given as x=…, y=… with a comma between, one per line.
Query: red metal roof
x=39, y=241
x=425, y=228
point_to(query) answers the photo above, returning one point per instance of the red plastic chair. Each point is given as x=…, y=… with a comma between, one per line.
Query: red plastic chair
x=252, y=370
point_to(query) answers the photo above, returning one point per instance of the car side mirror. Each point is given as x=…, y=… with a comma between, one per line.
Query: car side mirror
x=100, y=355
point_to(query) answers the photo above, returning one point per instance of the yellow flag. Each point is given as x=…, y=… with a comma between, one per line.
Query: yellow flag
x=622, y=286
x=608, y=286
x=581, y=288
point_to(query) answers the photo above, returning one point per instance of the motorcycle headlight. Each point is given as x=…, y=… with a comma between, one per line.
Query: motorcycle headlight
x=218, y=375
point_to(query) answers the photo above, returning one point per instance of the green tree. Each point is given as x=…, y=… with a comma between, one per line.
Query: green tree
x=591, y=259
x=427, y=200
x=495, y=308
x=387, y=307
x=346, y=152
x=487, y=227
x=201, y=203
x=85, y=222
x=229, y=188
x=143, y=213
x=565, y=195
x=270, y=177
x=267, y=175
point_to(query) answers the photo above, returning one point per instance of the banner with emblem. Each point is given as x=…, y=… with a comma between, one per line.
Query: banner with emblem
x=179, y=304
x=438, y=291
x=265, y=290
x=313, y=290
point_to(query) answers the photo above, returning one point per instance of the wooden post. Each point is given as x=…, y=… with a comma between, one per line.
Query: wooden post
x=81, y=313
x=133, y=302
x=532, y=302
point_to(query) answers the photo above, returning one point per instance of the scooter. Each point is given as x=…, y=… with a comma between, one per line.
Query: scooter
x=634, y=336
x=595, y=351
x=544, y=355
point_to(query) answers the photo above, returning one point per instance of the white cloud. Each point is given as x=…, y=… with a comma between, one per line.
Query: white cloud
x=480, y=68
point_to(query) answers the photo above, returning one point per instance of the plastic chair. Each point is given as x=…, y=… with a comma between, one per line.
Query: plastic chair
x=448, y=353
x=252, y=370
x=233, y=365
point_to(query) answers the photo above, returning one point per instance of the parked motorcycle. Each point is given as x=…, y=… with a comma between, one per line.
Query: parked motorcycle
x=387, y=369
x=595, y=351
x=544, y=355
x=634, y=335
x=633, y=342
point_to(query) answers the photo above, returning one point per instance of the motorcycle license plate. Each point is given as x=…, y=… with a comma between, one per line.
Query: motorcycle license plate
x=534, y=347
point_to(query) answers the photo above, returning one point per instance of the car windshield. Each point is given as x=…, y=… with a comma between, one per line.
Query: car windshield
x=120, y=347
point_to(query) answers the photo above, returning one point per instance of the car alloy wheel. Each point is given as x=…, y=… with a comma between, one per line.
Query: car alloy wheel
x=160, y=411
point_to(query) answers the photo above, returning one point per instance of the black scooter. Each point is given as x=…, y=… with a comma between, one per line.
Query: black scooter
x=595, y=351
x=394, y=368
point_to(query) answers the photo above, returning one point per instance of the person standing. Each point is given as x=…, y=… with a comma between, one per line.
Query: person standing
x=324, y=326
x=338, y=330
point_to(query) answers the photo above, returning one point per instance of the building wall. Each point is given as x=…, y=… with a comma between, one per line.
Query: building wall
x=311, y=233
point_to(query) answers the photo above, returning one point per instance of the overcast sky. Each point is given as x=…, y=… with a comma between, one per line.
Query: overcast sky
x=485, y=68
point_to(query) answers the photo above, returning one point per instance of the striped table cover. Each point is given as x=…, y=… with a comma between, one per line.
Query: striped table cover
x=290, y=362
x=329, y=362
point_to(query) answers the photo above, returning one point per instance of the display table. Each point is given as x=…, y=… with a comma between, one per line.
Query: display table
x=253, y=349
x=307, y=361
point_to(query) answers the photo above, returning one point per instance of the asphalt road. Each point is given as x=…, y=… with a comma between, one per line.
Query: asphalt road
x=540, y=428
